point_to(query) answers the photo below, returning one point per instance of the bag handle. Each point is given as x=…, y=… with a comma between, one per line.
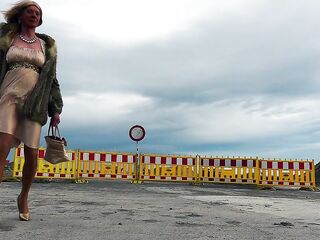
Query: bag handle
x=54, y=130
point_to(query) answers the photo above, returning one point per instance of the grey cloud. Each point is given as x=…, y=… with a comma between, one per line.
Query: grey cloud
x=272, y=51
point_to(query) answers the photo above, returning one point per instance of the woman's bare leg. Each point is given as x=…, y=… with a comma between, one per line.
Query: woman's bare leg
x=6, y=141
x=28, y=172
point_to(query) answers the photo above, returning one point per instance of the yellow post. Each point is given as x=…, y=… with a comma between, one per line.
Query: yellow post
x=313, y=179
x=211, y=172
x=233, y=173
x=15, y=163
x=77, y=166
x=205, y=172
x=291, y=175
x=174, y=170
x=197, y=169
x=216, y=172
x=275, y=175
x=308, y=177
x=257, y=171
x=152, y=169
x=138, y=168
x=281, y=175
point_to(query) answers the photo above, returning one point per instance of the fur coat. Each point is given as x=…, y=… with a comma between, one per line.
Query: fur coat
x=45, y=99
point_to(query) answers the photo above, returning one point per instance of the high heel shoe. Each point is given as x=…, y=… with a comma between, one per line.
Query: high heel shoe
x=22, y=216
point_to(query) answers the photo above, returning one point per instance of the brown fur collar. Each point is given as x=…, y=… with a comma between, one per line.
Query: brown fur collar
x=9, y=31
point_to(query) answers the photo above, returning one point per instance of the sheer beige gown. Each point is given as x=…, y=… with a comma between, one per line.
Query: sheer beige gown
x=17, y=84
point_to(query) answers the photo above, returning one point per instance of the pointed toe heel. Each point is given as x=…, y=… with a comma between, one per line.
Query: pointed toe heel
x=22, y=216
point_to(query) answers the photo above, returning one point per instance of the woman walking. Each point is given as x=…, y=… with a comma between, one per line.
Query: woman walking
x=29, y=90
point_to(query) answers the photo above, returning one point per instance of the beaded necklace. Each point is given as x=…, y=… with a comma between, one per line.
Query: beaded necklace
x=33, y=40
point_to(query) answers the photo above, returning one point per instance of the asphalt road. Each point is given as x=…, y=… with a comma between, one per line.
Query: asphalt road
x=121, y=210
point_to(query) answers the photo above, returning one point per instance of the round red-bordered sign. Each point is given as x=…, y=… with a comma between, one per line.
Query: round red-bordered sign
x=137, y=133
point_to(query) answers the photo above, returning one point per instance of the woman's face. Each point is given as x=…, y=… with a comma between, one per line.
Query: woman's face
x=30, y=17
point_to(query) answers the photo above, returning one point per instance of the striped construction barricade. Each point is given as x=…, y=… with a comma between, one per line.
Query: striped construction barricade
x=65, y=170
x=106, y=165
x=168, y=168
x=228, y=170
x=287, y=173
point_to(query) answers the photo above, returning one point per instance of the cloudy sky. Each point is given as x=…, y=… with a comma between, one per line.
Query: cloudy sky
x=231, y=78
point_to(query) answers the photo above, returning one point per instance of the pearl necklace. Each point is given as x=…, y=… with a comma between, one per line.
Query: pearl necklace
x=33, y=40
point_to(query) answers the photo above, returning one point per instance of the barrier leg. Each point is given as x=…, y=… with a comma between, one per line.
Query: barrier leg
x=77, y=167
x=197, y=181
x=137, y=180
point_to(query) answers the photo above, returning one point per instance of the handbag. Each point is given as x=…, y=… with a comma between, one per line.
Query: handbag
x=55, y=152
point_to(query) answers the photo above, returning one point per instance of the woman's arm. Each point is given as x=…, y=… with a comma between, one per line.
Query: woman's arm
x=55, y=101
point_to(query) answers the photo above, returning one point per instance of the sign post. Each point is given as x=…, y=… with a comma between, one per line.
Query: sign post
x=137, y=133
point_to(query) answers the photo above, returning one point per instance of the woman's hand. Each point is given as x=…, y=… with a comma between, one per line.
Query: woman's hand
x=55, y=120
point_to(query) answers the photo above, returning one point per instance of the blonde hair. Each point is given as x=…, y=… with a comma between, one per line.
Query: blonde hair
x=13, y=14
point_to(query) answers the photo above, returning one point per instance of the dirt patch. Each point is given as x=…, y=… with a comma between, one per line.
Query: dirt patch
x=107, y=213
x=194, y=215
x=183, y=217
x=150, y=220
x=86, y=218
x=236, y=223
x=316, y=224
x=126, y=211
x=284, y=224
x=218, y=203
x=188, y=224
x=6, y=228
x=93, y=203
